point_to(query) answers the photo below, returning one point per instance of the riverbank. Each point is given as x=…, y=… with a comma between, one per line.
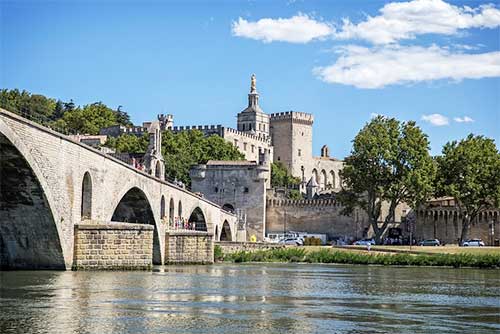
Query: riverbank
x=359, y=256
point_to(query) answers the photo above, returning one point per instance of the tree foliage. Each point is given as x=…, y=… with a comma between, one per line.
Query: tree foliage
x=280, y=177
x=62, y=116
x=129, y=143
x=469, y=171
x=389, y=162
x=185, y=149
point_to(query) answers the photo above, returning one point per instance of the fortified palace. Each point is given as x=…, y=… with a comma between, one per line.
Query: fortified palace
x=244, y=187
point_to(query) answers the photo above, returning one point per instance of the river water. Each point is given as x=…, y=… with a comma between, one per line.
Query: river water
x=252, y=298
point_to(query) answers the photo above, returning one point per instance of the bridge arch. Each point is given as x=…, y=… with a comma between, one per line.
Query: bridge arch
x=225, y=233
x=134, y=207
x=86, y=207
x=198, y=219
x=30, y=235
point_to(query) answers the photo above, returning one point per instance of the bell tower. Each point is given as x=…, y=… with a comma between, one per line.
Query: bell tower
x=253, y=120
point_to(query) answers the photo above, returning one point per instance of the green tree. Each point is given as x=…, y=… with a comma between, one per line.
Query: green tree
x=389, y=162
x=469, y=171
x=280, y=176
x=185, y=149
x=128, y=143
x=90, y=119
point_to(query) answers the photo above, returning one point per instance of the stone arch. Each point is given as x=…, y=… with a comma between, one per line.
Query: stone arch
x=315, y=175
x=162, y=207
x=134, y=207
x=228, y=207
x=323, y=179
x=179, y=209
x=171, y=211
x=30, y=236
x=86, y=207
x=333, y=179
x=198, y=219
x=225, y=233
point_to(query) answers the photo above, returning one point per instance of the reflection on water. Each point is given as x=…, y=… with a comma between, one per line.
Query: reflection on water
x=251, y=298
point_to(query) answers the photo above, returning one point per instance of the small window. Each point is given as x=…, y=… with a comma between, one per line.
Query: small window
x=263, y=127
x=300, y=152
x=253, y=148
x=245, y=146
x=302, y=134
x=243, y=126
x=236, y=142
x=216, y=189
x=245, y=190
x=279, y=158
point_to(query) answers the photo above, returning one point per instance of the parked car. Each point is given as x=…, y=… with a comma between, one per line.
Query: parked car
x=292, y=241
x=365, y=242
x=473, y=243
x=430, y=242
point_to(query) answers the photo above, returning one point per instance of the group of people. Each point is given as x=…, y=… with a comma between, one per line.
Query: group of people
x=180, y=223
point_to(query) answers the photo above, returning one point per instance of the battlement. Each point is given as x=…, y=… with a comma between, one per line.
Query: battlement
x=302, y=202
x=453, y=213
x=292, y=115
x=263, y=139
x=206, y=129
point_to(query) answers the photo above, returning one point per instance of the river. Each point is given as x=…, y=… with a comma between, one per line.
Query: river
x=252, y=298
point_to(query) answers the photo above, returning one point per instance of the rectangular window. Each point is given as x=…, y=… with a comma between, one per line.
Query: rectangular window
x=253, y=148
x=244, y=146
x=300, y=152
x=236, y=142
x=246, y=190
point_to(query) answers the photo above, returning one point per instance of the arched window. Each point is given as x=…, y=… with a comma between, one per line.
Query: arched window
x=228, y=207
x=333, y=180
x=86, y=209
x=158, y=169
x=162, y=207
x=179, y=209
x=315, y=175
x=225, y=233
x=171, y=211
x=323, y=180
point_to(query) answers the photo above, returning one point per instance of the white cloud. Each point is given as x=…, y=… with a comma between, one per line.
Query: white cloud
x=391, y=65
x=465, y=119
x=374, y=115
x=406, y=20
x=297, y=29
x=436, y=119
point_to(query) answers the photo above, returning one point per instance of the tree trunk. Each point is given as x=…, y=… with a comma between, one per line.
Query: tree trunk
x=465, y=229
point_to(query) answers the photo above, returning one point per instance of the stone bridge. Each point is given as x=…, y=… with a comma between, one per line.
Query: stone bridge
x=50, y=183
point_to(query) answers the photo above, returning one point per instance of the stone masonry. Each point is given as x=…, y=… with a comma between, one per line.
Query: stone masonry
x=113, y=246
x=189, y=247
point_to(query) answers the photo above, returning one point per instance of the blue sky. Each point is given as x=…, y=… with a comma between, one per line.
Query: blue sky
x=431, y=61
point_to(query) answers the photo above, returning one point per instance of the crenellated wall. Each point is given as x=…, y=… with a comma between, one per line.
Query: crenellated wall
x=445, y=224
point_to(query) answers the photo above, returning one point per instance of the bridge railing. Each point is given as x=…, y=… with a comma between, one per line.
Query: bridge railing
x=179, y=224
x=45, y=121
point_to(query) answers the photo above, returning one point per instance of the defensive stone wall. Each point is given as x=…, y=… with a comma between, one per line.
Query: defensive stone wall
x=189, y=247
x=229, y=247
x=113, y=246
x=315, y=216
x=295, y=115
x=445, y=224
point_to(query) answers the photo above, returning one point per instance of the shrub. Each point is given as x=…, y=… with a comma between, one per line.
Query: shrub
x=218, y=253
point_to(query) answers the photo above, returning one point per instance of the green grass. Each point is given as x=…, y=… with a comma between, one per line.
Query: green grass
x=328, y=255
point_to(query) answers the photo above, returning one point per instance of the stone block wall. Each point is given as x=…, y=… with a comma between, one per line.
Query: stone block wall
x=189, y=247
x=229, y=247
x=113, y=246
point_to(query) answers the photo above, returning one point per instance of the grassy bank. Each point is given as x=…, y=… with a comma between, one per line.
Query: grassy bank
x=328, y=255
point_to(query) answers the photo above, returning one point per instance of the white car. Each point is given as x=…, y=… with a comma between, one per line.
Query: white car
x=365, y=242
x=292, y=241
x=473, y=243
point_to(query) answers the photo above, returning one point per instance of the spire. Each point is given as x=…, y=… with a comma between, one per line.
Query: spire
x=253, y=97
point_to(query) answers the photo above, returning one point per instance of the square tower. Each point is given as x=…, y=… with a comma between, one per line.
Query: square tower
x=253, y=120
x=291, y=137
